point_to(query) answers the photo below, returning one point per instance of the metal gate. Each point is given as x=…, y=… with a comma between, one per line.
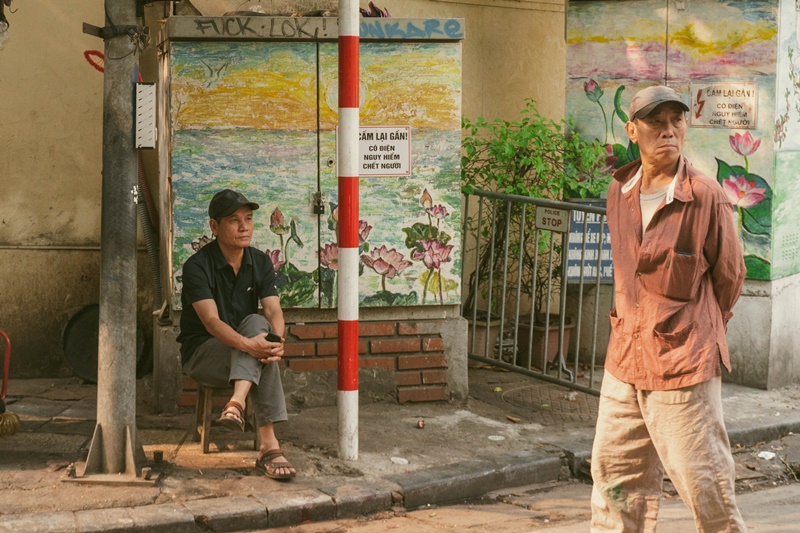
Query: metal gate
x=536, y=273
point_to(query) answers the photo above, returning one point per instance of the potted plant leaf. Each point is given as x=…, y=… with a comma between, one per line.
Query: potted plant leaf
x=535, y=157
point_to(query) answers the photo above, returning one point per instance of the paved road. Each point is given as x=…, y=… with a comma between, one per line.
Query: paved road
x=564, y=509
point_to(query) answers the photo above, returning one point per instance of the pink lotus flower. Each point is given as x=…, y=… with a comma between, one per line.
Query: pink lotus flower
x=426, y=200
x=363, y=231
x=744, y=145
x=438, y=212
x=329, y=256
x=611, y=159
x=277, y=223
x=742, y=193
x=592, y=90
x=275, y=256
x=434, y=253
x=385, y=262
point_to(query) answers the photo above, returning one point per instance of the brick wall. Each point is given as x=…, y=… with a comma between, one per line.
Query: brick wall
x=408, y=349
x=416, y=358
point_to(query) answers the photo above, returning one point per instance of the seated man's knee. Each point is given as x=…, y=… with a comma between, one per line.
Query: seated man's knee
x=254, y=324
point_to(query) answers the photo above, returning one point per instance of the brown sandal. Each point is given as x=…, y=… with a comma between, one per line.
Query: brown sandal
x=232, y=416
x=266, y=465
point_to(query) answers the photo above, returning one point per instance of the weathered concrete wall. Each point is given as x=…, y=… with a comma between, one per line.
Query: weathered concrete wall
x=50, y=175
x=784, y=364
x=763, y=334
x=51, y=131
x=40, y=290
x=748, y=340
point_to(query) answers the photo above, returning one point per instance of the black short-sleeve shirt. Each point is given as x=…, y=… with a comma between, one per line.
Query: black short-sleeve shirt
x=207, y=275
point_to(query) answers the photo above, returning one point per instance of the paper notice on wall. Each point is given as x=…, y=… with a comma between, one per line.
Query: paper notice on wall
x=384, y=151
x=731, y=105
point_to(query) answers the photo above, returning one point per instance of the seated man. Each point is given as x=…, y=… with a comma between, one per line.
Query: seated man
x=223, y=338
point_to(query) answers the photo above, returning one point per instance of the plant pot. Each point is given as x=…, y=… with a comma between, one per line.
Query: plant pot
x=539, y=334
x=482, y=329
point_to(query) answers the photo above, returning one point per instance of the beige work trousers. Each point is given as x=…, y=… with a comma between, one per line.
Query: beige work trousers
x=640, y=435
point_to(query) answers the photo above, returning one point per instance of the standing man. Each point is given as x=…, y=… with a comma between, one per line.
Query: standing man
x=678, y=269
x=223, y=338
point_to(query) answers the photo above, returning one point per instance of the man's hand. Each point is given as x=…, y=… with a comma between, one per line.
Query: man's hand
x=264, y=350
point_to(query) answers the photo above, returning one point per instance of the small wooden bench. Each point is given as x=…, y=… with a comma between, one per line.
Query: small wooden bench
x=207, y=399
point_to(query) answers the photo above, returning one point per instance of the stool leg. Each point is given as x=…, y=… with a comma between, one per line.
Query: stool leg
x=198, y=415
x=250, y=417
x=208, y=397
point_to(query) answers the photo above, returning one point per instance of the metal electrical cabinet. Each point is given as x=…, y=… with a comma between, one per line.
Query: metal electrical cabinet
x=250, y=103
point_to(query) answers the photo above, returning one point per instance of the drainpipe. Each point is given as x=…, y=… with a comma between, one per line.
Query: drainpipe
x=115, y=447
x=347, y=162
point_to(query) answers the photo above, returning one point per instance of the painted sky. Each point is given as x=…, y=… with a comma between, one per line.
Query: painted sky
x=273, y=86
x=743, y=35
x=428, y=98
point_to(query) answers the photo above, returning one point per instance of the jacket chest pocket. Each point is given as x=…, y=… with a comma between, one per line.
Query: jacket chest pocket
x=681, y=275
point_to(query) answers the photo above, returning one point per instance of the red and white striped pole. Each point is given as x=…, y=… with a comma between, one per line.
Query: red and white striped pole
x=347, y=158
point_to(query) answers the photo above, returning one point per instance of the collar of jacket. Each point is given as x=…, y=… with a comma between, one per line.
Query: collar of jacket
x=680, y=188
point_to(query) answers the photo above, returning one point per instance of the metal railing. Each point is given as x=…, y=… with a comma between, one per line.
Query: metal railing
x=529, y=263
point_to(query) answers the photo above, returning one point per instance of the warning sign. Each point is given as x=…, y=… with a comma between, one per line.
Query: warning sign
x=729, y=105
x=552, y=219
x=384, y=151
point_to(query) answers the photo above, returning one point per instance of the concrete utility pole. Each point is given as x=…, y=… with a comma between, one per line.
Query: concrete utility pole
x=115, y=447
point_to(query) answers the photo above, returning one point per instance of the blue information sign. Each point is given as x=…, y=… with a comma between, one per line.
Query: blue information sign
x=591, y=223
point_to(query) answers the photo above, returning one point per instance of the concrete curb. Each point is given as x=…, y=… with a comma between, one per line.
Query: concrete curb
x=473, y=478
x=750, y=436
x=280, y=509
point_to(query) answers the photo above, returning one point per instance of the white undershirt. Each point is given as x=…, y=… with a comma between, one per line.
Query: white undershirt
x=649, y=204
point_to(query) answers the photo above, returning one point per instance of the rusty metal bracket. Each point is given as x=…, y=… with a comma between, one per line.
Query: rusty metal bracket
x=113, y=31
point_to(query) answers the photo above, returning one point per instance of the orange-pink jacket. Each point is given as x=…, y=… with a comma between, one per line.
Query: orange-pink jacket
x=676, y=287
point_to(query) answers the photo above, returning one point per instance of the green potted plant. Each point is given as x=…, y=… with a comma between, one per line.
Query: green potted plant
x=536, y=157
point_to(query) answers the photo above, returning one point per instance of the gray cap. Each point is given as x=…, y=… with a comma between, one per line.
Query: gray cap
x=647, y=99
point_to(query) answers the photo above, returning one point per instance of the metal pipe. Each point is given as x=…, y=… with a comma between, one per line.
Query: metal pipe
x=519, y=280
x=505, y=277
x=149, y=232
x=347, y=398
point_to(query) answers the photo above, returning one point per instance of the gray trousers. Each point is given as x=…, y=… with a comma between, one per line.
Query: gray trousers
x=216, y=365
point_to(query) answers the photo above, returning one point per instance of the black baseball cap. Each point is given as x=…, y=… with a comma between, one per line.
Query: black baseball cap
x=226, y=202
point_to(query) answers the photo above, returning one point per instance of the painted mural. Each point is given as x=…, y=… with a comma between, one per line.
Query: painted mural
x=411, y=227
x=255, y=116
x=618, y=48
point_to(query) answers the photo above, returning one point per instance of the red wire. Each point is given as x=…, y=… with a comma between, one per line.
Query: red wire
x=90, y=55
